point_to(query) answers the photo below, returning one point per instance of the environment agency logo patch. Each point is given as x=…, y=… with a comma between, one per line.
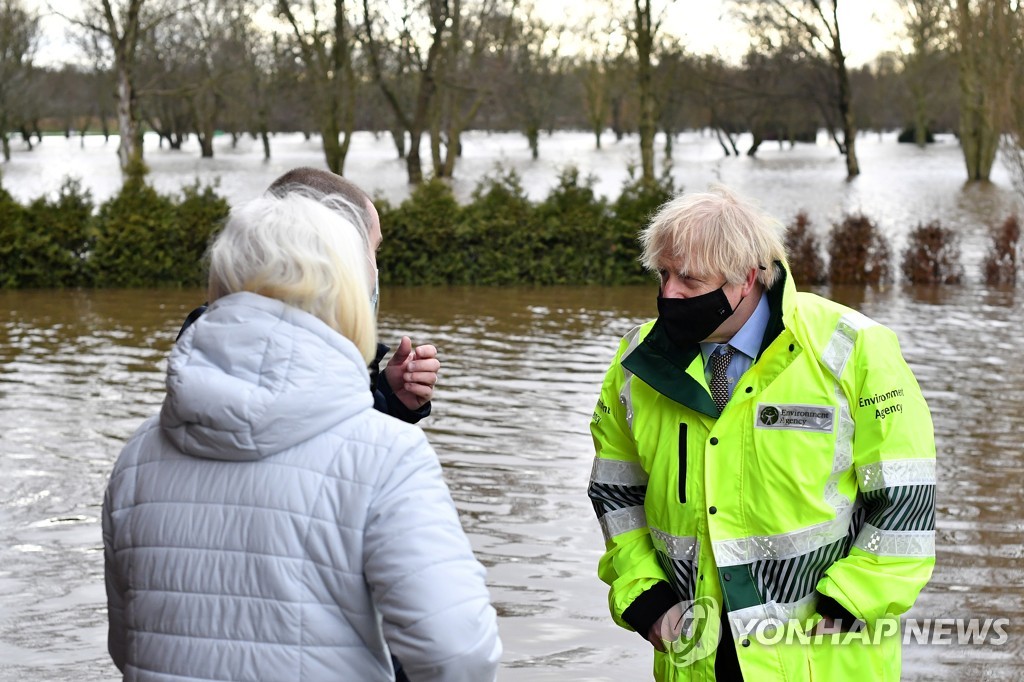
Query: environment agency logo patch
x=815, y=418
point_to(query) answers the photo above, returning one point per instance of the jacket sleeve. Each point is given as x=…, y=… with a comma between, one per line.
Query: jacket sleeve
x=393, y=406
x=894, y=458
x=384, y=398
x=117, y=632
x=639, y=590
x=423, y=577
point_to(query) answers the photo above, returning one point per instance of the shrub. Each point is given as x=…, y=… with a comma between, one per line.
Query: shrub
x=574, y=238
x=1001, y=262
x=131, y=245
x=58, y=238
x=498, y=233
x=803, y=252
x=932, y=256
x=199, y=215
x=146, y=239
x=858, y=253
x=419, y=245
x=631, y=212
x=12, y=236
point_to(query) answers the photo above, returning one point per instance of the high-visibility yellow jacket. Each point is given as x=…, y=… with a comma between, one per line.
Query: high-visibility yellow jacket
x=814, y=487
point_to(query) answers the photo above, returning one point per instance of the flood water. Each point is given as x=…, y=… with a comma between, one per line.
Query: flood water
x=80, y=370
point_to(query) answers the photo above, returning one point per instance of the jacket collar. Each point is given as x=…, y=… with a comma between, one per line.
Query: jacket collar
x=675, y=372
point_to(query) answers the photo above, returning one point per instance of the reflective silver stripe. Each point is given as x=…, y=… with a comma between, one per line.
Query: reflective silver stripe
x=617, y=472
x=842, y=454
x=894, y=472
x=626, y=395
x=839, y=347
x=622, y=521
x=906, y=543
x=681, y=547
x=785, y=545
x=842, y=460
x=745, y=621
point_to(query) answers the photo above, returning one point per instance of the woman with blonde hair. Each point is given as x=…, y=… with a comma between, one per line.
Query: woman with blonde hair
x=269, y=524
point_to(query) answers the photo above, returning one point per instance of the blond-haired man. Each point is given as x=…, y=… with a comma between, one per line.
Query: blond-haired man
x=765, y=465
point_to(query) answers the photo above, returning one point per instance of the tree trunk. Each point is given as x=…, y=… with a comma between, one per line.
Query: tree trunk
x=980, y=69
x=205, y=145
x=617, y=127
x=920, y=117
x=413, y=166
x=204, y=131
x=453, y=152
x=266, y=144
x=332, y=148
x=129, y=151
x=644, y=39
x=718, y=134
x=435, y=145
x=846, y=107
x=533, y=138
x=755, y=145
x=398, y=137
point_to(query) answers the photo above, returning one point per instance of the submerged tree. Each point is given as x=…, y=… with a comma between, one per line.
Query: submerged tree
x=643, y=35
x=928, y=26
x=481, y=33
x=987, y=31
x=325, y=46
x=814, y=26
x=122, y=25
x=594, y=77
x=423, y=55
x=535, y=68
x=1013, y=144
x=19, y=31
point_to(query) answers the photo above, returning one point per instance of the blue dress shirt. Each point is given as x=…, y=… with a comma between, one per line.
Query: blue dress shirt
x=747, y=342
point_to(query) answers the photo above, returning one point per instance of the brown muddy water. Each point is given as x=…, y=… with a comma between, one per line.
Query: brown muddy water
x=79, y=371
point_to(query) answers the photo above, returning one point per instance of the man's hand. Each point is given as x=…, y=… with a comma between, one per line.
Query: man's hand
x=826, y=626
x=412, y=372
x=667, y=628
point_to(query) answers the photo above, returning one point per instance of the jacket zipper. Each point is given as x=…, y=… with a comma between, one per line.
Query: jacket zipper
x=682, y=463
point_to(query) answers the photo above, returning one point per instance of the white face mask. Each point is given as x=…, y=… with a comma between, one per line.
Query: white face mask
x=375, y=294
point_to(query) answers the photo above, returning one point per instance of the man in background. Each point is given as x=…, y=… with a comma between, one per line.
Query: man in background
x=411, y=373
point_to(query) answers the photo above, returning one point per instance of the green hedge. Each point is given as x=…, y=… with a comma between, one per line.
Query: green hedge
x=139, y=238
x=501, y=237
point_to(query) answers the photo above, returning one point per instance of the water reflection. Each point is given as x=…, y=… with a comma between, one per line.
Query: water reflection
x=522, y=366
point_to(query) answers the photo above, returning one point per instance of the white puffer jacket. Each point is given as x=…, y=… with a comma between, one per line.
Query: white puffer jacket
x=270, y=525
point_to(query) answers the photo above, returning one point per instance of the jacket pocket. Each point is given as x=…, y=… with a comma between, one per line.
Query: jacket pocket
x=682, y=463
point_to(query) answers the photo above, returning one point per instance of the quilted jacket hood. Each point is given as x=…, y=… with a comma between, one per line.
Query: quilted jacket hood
x=255, y=376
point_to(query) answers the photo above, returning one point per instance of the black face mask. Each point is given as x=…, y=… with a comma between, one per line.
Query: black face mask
x=691, y=320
